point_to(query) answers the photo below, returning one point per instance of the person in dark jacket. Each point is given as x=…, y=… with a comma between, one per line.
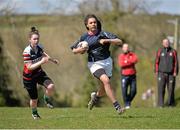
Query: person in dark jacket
x=127, y=61
x=166, y=69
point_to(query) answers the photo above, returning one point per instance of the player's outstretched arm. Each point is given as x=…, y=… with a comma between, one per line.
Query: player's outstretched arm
x=53, y=60
x=115, y=41
x=33, y=66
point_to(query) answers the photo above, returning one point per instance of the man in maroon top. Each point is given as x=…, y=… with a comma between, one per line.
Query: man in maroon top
x=127, y=61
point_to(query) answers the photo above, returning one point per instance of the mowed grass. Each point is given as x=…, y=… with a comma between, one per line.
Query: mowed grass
x=98, y=118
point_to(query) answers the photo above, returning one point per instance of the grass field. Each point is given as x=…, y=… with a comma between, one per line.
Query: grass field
x=98, y=118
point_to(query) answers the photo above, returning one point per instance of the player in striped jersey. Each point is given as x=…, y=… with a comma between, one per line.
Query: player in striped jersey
x=34, y=56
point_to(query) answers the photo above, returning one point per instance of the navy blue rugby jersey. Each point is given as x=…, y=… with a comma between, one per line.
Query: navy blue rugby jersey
x=96, y=50
x=32, y=56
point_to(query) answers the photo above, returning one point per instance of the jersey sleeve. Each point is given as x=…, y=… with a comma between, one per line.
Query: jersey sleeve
x=134, y=59
x=156, y=65
x=41, y=46
x=27, y=56
x=109, y=35
x=75, y=44
x=176, y=64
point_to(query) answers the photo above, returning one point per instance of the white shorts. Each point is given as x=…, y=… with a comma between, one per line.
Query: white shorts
x=102, y=64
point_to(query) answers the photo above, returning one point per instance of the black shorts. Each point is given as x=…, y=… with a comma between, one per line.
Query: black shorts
x=98, y=73
x=31, y=86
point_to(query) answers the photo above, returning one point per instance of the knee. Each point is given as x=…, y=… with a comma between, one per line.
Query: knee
x=105, y=81
x=34, y=101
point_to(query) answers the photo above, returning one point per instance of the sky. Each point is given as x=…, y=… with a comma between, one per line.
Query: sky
x=34, y=7
x=168, y=6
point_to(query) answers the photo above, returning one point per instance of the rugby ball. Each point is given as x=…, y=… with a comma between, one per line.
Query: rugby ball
x=83, y=44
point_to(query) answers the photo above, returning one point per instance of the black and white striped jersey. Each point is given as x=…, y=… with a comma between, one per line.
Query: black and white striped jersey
x=31, y=55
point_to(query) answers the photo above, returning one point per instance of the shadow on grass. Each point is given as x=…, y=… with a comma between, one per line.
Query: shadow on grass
x=129, y=117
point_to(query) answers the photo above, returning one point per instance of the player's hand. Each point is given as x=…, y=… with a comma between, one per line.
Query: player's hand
x=82, y=50
x=85, y=48
x=156, y=74
x=103, y=41
x=55, y=61
x=174, y=74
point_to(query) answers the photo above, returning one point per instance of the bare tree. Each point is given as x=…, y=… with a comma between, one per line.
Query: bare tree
x=135, y=6
x=46, y=6
x=97, y=6
x=7, y=7
x=115, y=5
x=59, y=6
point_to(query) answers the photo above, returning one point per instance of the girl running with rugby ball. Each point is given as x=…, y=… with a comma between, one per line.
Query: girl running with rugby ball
x=99, y=60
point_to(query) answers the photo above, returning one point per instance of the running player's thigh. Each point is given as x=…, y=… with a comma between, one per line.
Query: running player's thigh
x=104, y=79
x=108, y=70
x=108, y=67
x=99, y=72
x=93, y=67
x=31, y=89
x=44, y=80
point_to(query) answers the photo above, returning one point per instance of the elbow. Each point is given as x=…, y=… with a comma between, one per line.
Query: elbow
x=121, y=65
x=119, y=42
x=136, y=61
x=29, y=68
x=74, y=52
